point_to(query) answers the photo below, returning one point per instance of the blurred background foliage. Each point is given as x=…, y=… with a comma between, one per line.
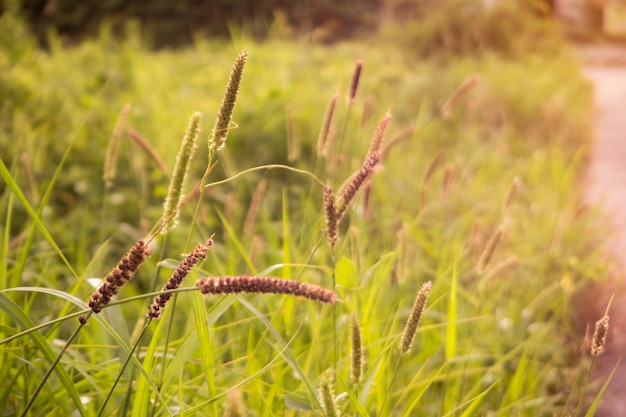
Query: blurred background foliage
x=427, y=26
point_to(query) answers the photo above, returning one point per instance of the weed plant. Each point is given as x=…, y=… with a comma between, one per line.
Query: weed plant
x=452, y=247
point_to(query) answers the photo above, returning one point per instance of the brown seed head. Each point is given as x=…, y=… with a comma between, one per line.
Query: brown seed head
x=254, y=284
x=120, y=275
x=177, y=278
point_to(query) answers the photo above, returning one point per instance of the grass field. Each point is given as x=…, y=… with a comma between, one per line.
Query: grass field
x=481, y=198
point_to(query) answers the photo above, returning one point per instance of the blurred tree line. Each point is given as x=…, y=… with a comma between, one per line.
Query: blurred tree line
x=166, y=23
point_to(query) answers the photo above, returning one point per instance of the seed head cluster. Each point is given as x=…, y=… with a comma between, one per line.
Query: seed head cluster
x=357, y=182
x=177, y=278
x=120, y=275
x=406, y=341
x=254, y=284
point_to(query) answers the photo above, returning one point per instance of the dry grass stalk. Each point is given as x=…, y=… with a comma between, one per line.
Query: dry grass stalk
x=110, y=160
x=255, y=284
x=217, y=140
x=379, y=135
x=492, y=244
x=404, y=135
x=367, y=197
x=448, y=180
x=322, y=139
x=332, y=223
x=406, y=341
x=357, y=359
x=468, y=84
x=358, y=179
x=177, y=278
x=599, y=335
x=354, y=83
x=328, y=397
x=510, y=195
x=367, y=110
x=255, y=205
x=118, y=276
x=183, y=161
x=148, y=149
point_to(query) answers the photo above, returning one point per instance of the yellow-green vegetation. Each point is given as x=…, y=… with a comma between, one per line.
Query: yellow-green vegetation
x=474, y=188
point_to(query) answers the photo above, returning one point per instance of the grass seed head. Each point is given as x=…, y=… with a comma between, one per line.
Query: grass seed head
x=332, y=225
x=177, y=278
x=485, y=257
x=110, y=160
x=354, y=83
x=118, y=276
x=357, y=359
x=602, y=329
x=328, y=397
x=322, y=140
x=406, y=341
x=379, y=134
x=267, y=285
x=183, y=160
x=358, y=179
x=217, y=140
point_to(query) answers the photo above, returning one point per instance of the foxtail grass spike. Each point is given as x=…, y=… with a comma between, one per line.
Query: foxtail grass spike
x=406, y=341
x=110, y=160
x=357, y=359
x=354, y=83
x=358, y=179
x=326, y=125
x=183, y=160
x=379, y=135
x=217, y=140
x=332, y=225
x=511, y=194
x=328, y=397
x=118, y=276
x=601, y=330
x=468, y=84
x=448, y=180
x=255, y=284
x=177, y=278
x=485, y=257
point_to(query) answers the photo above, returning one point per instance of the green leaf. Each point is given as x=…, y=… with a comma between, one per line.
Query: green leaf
x=345, y=273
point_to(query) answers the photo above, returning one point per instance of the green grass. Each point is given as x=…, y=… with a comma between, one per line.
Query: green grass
x=494, y=342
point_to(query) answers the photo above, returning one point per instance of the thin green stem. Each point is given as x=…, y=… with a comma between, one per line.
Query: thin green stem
x=119, y=375
x=393, y=376
x=53, y=365
x=585, y=385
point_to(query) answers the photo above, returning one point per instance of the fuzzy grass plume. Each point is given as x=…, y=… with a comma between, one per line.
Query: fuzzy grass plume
x=357, y=359
x=183, y=160
x=217, y=140
x=110, y=160
x=406, y=341
x=267, y=285
x=328, y=397
x=326, y=125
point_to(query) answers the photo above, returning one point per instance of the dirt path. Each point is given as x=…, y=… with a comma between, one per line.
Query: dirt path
x=605, y=67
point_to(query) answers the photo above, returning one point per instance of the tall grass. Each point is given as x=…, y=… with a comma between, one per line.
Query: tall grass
x=494, y=336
